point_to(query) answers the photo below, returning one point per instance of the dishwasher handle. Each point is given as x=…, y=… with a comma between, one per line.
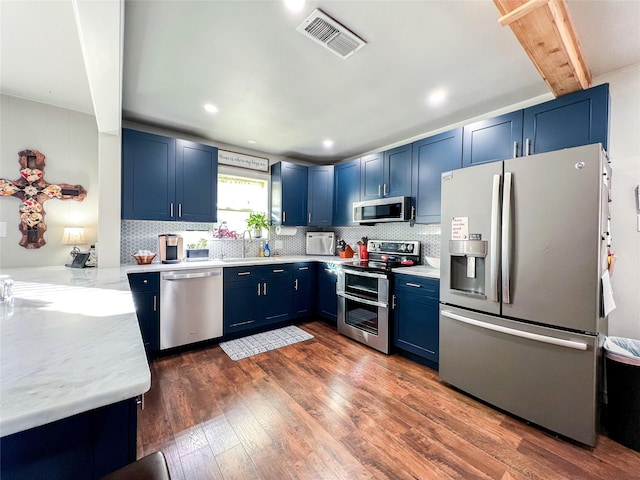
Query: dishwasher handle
x=186, y=276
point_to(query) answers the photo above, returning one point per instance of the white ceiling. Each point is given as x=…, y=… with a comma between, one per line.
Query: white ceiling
x=274, y=86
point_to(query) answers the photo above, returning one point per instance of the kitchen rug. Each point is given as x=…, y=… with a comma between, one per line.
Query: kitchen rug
x=263, y=342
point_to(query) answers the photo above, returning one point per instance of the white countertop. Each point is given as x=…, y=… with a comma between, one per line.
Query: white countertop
x=69, y=343
x=419, y=271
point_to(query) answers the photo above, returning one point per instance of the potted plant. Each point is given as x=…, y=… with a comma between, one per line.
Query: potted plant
x=257, y=222
x=198, y=250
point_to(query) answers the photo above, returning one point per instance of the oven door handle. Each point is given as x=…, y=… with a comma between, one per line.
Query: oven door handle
x=362, y=300
x=359, y=273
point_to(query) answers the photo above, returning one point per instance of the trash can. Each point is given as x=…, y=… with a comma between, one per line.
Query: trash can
x=622, y=364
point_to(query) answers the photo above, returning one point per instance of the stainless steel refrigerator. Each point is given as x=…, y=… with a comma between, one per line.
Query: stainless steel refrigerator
x=524, y=247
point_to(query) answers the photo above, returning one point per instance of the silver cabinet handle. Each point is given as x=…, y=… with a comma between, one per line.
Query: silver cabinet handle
x=171, y=209
x=258, y=288
x=506, y=238
x=240, y=274
x=179, y=210
x=384, y=190
x=413, y=212
x=303, y=268
x=309, y=215
x=528, y=147
x=379, y=190
x=414, y=285
x=264, y=288
x=515, y=149
x=155, y=303
x=495, y=232
x=393, y=302
x=277, y=270
x=295, y=284
x=284, y=216
x=516, y=333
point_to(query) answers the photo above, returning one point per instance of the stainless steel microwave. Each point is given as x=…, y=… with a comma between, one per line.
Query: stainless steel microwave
x=392, y=209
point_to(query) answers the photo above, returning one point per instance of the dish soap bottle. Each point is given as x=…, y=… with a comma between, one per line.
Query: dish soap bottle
x=267, y=252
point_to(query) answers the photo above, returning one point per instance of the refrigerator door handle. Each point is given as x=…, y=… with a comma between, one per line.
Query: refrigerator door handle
x=516, y=333
x=495, y=233
x=506, y=238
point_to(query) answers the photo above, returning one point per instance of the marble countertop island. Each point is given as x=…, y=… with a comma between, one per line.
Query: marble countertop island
x=69, y=343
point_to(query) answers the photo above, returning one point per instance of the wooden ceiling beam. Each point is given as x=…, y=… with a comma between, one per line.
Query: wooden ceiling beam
x=545, y=31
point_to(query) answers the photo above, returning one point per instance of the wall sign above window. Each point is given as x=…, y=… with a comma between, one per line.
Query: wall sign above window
x=243, y=161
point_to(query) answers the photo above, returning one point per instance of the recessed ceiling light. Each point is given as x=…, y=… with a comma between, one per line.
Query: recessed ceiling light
x=437, y=97
x=251, y=142
x=294, y=5
x=328, y=143
x=209, y=107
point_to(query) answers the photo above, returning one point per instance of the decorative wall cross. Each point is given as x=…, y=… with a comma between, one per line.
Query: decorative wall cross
x=33, y=190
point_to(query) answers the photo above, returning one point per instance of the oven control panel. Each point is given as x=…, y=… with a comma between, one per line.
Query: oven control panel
x=394, y=247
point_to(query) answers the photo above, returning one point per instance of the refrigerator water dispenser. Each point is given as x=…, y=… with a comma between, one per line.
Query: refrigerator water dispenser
x=467, y=259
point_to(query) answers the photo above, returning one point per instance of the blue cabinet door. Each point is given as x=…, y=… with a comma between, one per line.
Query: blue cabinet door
x=397, y=172
x=327, y=300
x=493, y=139
x=346, y=190
x=371, y=176
x=431, y=157
x=276, y=300
x=304, y=289
x=289, y=194
x=320, y=196
x=416, y=316
x=145, y=290
x=580, y=118
x=196, y=182
x=148, y=176
x=240, y=307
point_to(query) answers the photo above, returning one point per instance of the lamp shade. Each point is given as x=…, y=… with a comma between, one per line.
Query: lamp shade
x=73, y=236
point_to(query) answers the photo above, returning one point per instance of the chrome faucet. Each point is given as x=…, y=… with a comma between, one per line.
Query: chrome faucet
x=244, y=243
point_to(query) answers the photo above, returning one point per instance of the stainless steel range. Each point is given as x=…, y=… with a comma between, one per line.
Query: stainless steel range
x=363, y=291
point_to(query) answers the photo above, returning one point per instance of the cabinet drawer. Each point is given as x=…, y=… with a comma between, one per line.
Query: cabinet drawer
x=280, y=270
x=238, y=274
x=429, y=287
x=144, y=282
x=304, y=268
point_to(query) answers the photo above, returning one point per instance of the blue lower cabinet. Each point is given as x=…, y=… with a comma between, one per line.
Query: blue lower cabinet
x=85, y=446
x=145, y=289
x=256, y=297
x=327, y=300
x=416, y=316
x=304, y=289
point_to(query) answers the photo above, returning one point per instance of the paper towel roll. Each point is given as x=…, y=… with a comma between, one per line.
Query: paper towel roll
x=280, y=230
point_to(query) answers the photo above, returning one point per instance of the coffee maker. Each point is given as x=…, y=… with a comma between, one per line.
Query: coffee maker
x=170, y=246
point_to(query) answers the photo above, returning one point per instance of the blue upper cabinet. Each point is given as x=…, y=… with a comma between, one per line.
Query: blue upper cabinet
x=148, y=175
x=576, y=119
x=346, y=190
x=386, y=174
x=371, y=176
x=320, y=196
x=196, y=182
x=168, y=179
x=397, y=172
x=580, y=118
x=431, y=157
x=289, y=194
x=494, y=139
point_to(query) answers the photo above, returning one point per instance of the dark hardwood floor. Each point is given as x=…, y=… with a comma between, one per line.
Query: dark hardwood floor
x=330, y=408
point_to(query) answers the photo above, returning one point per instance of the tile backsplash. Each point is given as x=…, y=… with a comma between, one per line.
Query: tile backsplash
x=143, y=235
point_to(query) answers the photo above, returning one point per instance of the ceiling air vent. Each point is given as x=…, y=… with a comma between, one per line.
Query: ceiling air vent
x=324, y=30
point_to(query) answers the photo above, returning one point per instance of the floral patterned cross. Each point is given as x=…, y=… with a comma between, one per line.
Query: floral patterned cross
x=33, y=190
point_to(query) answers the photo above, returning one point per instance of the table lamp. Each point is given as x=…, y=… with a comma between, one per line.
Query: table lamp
x=73, y=236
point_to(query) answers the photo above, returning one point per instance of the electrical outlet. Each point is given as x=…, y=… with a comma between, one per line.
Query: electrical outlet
x=3, y=229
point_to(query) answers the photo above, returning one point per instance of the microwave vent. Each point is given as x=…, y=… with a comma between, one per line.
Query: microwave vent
x=334, y=36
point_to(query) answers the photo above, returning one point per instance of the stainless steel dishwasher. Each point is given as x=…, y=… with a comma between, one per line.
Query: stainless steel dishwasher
x=190, y=306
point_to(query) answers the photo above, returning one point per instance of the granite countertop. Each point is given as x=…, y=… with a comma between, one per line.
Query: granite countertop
x=70, y=343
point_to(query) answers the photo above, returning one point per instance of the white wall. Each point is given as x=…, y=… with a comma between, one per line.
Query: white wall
x=624, y=152
x=69, y=141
